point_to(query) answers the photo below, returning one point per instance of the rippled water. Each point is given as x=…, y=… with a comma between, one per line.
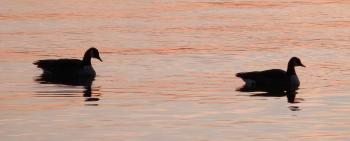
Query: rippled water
x=168, y=70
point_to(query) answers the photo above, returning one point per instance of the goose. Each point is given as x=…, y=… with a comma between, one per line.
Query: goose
x=70, y=67
x=273, y=79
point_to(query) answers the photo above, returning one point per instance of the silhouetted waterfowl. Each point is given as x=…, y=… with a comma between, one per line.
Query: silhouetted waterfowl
x=272, y=80
x=70, y=67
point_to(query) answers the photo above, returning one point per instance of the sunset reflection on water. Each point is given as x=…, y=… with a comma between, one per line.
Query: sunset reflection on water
x=169, y=70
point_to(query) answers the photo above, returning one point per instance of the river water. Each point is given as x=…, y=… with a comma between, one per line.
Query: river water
x=168, y=70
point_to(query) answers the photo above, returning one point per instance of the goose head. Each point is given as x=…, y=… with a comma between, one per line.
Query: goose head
x=294, y=62
x=93, y=53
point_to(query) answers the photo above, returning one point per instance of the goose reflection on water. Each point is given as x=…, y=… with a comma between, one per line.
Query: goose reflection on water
x=270, y=92
x=85, y=82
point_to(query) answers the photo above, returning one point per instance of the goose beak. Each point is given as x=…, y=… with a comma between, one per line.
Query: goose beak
x=302, y=65
x=99, y=58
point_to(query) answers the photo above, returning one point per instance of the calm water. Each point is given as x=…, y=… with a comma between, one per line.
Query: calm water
x=168, y=70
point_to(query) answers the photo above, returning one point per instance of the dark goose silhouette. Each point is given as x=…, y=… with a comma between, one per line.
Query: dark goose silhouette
x=70, y=67
x=273, y=80
x=70, y=72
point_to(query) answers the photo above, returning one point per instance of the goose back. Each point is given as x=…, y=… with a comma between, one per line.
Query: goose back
x=268, y=80
x=64, y=67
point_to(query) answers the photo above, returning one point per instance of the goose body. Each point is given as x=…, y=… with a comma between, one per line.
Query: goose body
x=273, y=79
x=70, y=67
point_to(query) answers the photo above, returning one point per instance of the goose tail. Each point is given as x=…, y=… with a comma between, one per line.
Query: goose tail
x=243, y=74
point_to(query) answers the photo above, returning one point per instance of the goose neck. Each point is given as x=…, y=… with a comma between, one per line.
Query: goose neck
x=87, y=59
x=291, y=69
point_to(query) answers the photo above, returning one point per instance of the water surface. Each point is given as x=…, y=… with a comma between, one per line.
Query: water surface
x=168, y=70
